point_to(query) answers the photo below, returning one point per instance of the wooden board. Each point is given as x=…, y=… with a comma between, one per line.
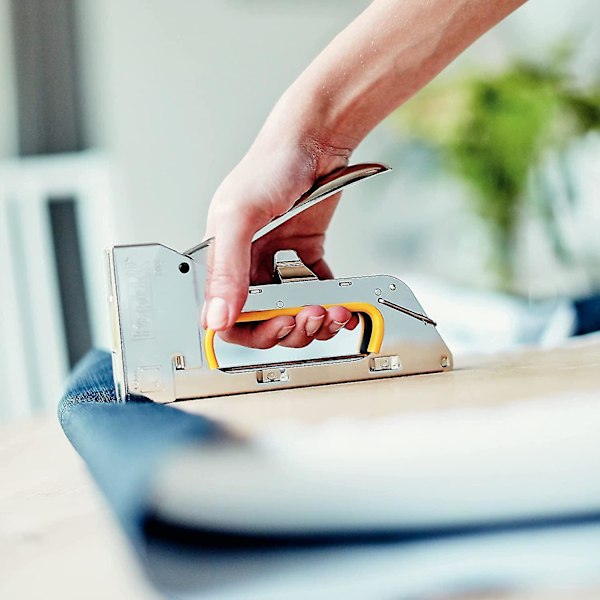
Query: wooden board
x=57, y=536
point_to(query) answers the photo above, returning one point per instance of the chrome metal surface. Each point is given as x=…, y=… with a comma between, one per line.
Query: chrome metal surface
x=179, y=362
x=156, y=316
x=385, y=363
x=404, y=310
x=272, y=375
x=323, y=188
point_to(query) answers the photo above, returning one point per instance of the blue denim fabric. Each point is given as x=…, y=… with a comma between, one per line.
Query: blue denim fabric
x=122, y=443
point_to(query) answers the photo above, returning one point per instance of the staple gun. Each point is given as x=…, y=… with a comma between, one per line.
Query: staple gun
x=161, y=351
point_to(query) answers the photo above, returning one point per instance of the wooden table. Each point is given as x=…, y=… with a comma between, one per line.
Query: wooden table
x=58, y=539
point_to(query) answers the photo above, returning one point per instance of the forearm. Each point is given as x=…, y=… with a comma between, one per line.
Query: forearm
x=386, y=55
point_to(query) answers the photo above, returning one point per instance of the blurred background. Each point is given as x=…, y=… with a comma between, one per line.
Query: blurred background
x=119, y=118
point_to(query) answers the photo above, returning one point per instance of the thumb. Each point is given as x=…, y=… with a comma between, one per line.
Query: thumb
x=228, y=271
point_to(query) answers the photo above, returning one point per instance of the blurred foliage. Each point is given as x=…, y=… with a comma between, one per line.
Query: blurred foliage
x=492, y=129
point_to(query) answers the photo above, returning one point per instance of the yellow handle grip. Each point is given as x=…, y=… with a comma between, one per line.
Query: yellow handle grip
x=263, y=315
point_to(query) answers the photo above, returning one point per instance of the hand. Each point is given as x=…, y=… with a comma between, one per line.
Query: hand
x=264, y=185
x=379, y=61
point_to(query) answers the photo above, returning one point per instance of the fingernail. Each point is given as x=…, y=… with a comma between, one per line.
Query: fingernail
x=313, y=324
x=217, y=313
x=284, y=331
x=203, y=313
x=335, y=326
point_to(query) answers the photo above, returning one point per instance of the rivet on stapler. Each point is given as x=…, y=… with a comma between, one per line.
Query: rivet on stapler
x=398, y=338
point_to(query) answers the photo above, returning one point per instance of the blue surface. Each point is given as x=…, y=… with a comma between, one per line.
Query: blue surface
x=122, y=443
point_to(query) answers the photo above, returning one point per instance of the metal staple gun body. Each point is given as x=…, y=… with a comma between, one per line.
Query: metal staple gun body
x=161, y=351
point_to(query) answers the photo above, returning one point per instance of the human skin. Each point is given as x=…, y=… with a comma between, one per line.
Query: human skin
x=388, y=53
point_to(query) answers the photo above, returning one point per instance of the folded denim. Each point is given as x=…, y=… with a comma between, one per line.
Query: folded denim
x=123, y=443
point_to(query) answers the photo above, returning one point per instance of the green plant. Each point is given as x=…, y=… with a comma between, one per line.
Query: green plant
x=492, y=129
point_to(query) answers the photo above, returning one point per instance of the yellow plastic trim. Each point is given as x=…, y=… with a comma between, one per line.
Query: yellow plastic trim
x=373, y=312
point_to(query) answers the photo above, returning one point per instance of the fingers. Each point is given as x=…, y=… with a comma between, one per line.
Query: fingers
x=262, y=335
x=336, y=318
x=228, y=267
x=308, y=323
x=316, y=323
x=312, y=323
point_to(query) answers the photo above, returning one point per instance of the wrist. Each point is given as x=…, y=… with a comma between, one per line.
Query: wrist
x=301, y=119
